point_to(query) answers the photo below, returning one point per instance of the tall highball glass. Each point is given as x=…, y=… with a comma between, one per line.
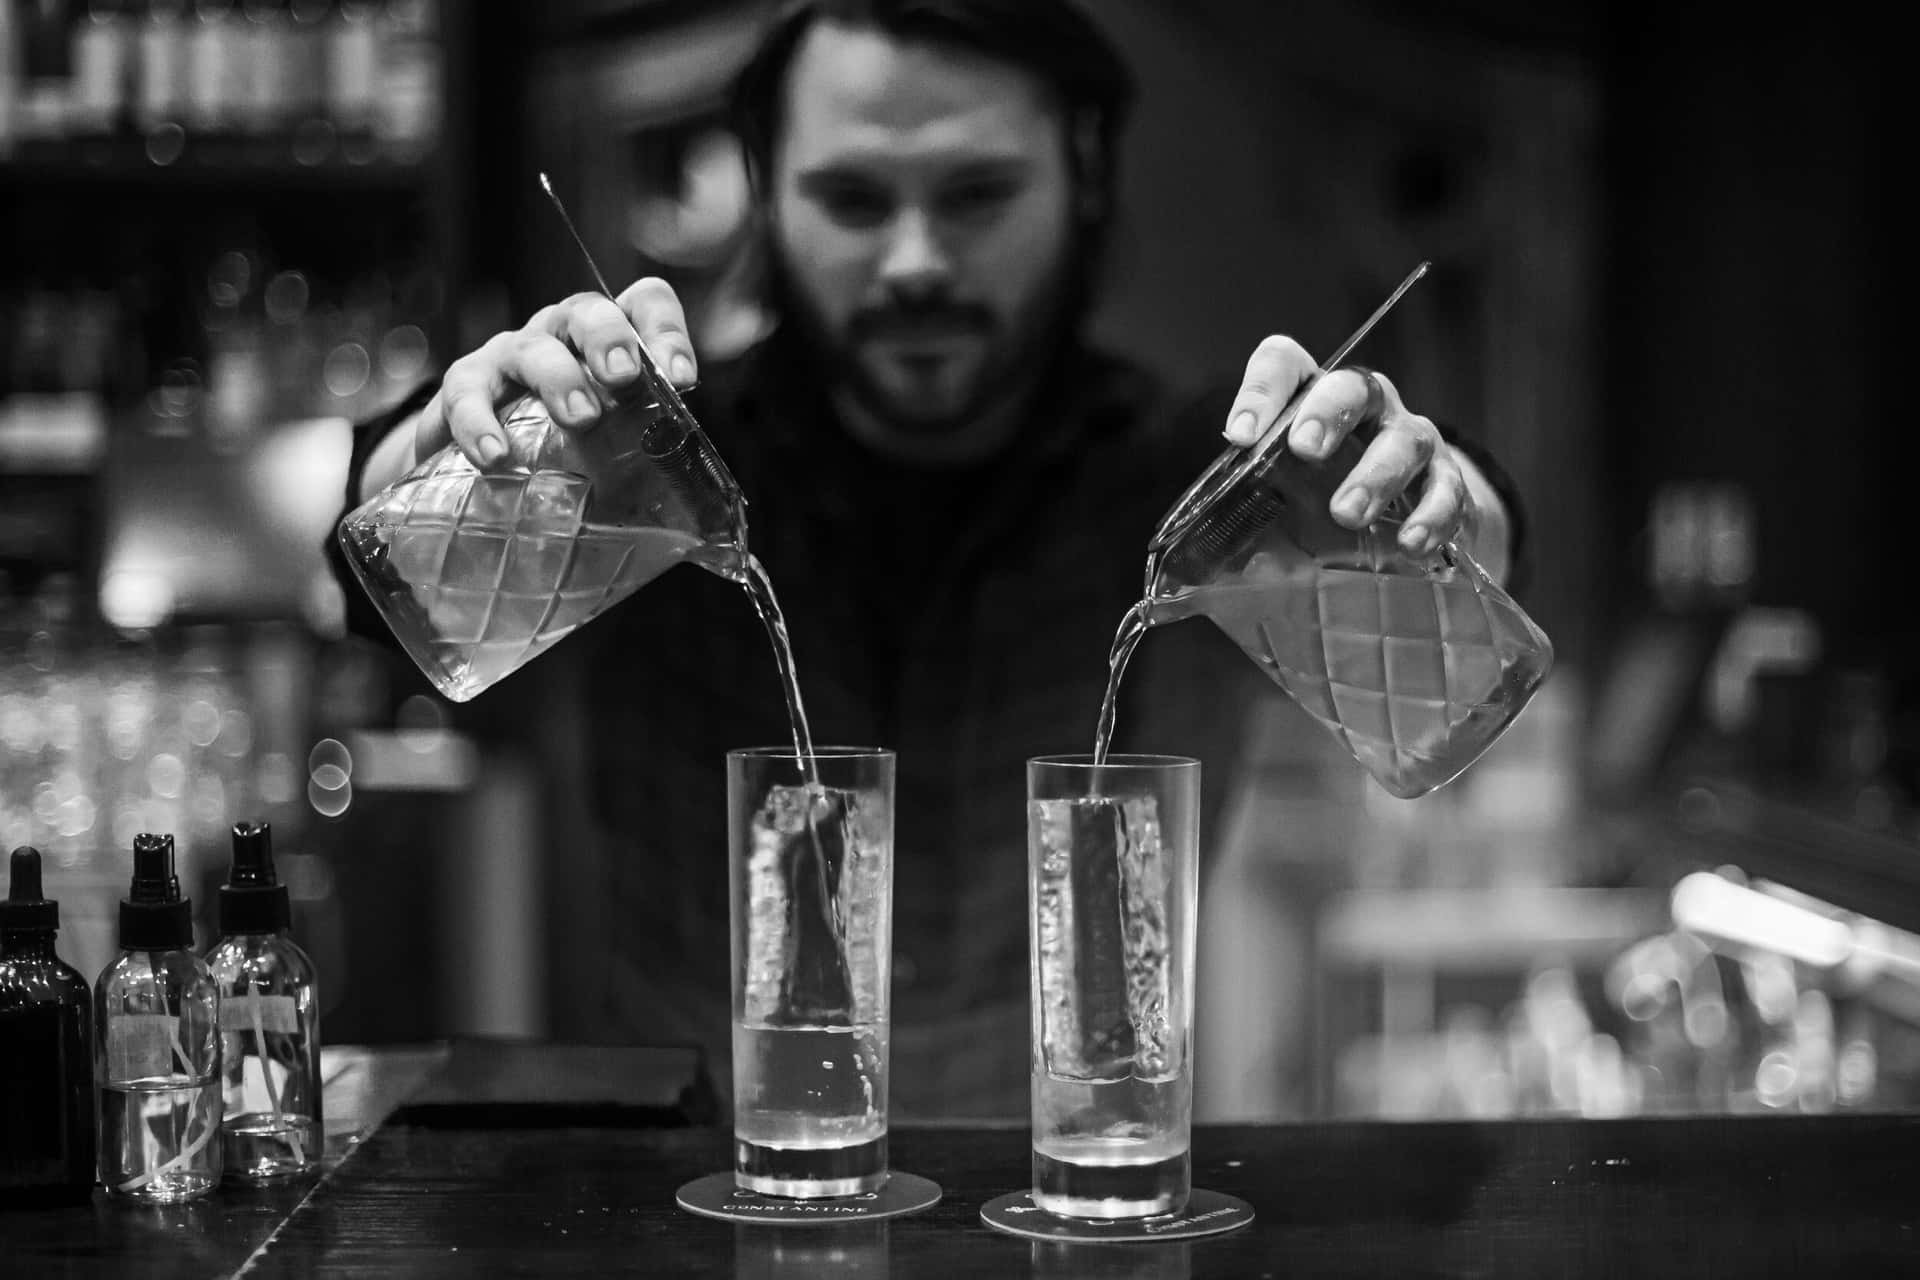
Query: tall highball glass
x=1113, y=877
x=810, y=876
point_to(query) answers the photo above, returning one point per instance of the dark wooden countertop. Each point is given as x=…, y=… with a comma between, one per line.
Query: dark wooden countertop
x=468, y=1195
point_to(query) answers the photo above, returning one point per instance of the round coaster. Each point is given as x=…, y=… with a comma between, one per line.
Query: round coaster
x=715, y=1196
x=1208, y=1213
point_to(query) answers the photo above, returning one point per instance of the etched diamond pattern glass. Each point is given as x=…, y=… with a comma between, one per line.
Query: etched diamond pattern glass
x=1416, y=663
x=480, y=572
x=1416, y=674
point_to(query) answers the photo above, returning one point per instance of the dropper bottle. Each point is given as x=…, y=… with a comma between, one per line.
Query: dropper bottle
x=269, y=1021
x=46, y=1050
x=156, y=1029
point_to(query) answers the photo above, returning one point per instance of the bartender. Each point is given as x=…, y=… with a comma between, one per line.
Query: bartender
x=950, y=488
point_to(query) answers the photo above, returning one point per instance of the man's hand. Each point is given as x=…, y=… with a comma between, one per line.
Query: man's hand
x=1455, y=499
x=552, y=356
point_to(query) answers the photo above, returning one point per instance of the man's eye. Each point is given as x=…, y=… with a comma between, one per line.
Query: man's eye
x=978, y=199
x=854, y=206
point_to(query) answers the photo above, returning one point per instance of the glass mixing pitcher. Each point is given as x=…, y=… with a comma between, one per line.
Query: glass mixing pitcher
x=1416, y=663
x=479, y=572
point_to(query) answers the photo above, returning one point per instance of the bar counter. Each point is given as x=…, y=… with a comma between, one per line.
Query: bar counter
x=565, y=1190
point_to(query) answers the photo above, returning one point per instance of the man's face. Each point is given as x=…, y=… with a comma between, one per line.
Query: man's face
x=921, y=216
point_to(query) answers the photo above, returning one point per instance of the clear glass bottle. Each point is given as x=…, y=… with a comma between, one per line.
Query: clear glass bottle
x=157, y=1044
x=46, y=1050
x=269, y=1021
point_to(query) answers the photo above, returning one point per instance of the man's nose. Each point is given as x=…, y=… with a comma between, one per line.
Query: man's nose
x=914, y=259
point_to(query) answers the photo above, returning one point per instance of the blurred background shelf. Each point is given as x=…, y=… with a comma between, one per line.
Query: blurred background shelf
x=228, y=170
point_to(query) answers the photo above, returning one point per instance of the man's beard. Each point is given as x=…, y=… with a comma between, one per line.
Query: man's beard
x=1013, y=357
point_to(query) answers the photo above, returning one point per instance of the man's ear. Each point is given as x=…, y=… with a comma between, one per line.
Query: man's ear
x=1092, y=171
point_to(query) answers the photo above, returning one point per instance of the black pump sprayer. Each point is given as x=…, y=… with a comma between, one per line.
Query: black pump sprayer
x=153, y=915
x=253, y=900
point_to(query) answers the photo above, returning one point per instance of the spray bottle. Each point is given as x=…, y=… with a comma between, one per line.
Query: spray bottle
x=269, y=1021
x=156, y=1024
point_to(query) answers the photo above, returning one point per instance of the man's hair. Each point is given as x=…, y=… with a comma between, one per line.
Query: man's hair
x=1053, y=40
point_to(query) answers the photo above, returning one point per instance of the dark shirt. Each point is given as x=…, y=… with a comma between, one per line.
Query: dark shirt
x=961, y=618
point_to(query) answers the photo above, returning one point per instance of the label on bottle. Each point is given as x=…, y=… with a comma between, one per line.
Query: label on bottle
x=260, y=1013
x=353, y=66
x=42, y=57
x=216, y=67
x=265, y=70
x=140, y=1046
x=263, y=1088
x=163, y=56
x=100, y=49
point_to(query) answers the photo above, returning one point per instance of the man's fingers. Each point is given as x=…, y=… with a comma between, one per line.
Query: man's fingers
x=1332, y=408
x=547, y=367
x=1444, y=509
x=595, y=327
x=559, y=354
x=466, y=398
x=430, y=430
x=1406, y=444
x=1328, y=412
x=655, y=312
x=1277, y=368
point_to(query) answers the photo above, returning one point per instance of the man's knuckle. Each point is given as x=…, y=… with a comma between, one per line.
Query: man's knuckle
x=1442, y=492
x=605, y=311
x=1279, y=344
x=463, y=415
x=459, y=380
x=543, y=352
x=492, y=348
x=648, y=289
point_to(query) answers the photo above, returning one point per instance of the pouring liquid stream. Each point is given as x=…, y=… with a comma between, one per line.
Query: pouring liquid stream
x=1132, y=628
x=759, y=588
x=752, y=576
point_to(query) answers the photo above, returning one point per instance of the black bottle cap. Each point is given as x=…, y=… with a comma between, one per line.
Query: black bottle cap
x=253, y=900
x=25, y=909
x=153, y=915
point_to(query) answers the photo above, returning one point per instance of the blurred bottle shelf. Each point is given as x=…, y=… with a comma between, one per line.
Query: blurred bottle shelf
x=229, y=225
x=1759, y=952
x=227, y=167
x=1863, y=855
x=76, y=74
x=1496, y=928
